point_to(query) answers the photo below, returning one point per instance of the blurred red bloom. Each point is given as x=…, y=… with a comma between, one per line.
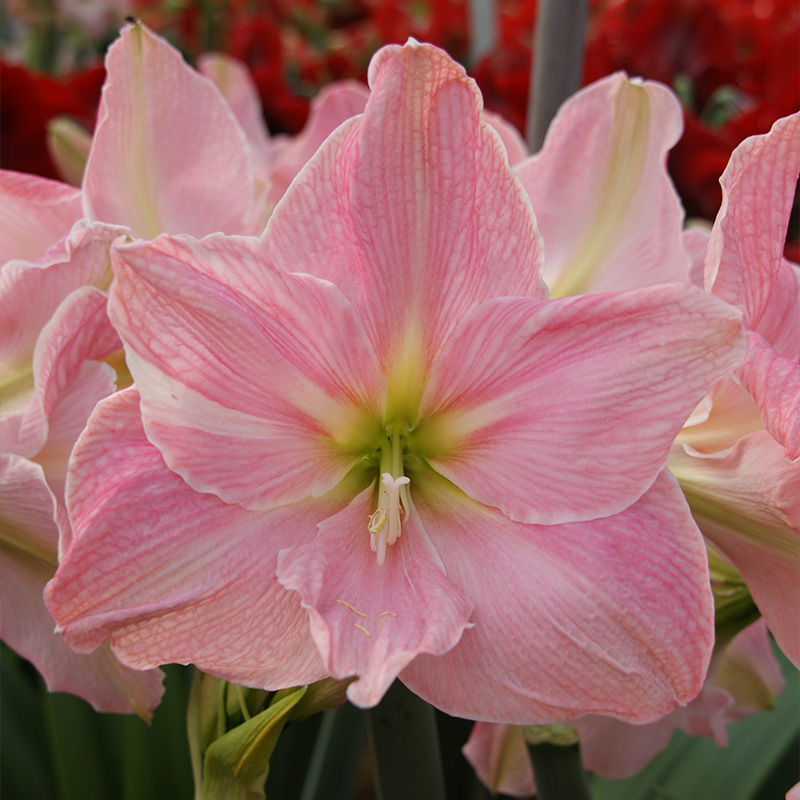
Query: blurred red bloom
x=29, y=101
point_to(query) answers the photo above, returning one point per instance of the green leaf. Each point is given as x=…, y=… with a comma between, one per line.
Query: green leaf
x=55, y=745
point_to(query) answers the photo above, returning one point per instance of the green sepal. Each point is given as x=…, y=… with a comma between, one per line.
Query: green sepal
x=235, y=766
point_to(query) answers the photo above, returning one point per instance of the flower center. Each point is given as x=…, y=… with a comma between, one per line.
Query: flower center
x=385, y=523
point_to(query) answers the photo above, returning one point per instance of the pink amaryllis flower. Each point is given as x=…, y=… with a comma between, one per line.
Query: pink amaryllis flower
x=736, y=458
x=369, y=445
x=54, y=326
x=54, y=335
x=739, y=463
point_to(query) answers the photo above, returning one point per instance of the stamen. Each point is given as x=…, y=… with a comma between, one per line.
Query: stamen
x=385, y=523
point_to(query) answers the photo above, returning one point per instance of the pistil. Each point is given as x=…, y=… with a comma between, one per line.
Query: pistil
x=385, y=524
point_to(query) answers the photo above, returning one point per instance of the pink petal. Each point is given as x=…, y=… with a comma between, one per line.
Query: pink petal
x=28, y=543
x=613, y=616
x=746, y=248
x=774, y=383
x=34, y=213
x=749, y=671
x=411, y=211
x=607, y=210
x=746, y=501
x=609, y=747
x=27, y=512
x=31, y=291
x=695, y=243
x=234, y=81
x=168, y=154
x=616, y=749
x=78, y=332
x=187, y=578
x=370, y=620
x=726, y=414
x=257, y=385
x=780, y=322
x=70, y=381
x=499, y=756
x=516, y=148
x=567, y=410
x=334, y=105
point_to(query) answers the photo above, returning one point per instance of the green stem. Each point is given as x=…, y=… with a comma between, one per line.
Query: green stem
x=334, y=764
x=558, y=771
x=405, y=747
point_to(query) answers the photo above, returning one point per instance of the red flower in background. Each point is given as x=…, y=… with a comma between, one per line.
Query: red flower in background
x=257, y=42
x=29, y=101
x=735, y=64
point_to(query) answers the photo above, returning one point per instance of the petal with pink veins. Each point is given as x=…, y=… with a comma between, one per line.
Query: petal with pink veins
x=745, y=252
x=612, y=616
x=168, y=154
x=774, y=383
x=334, y=105
x=695, y=243
x=34, y=214
x=608, y=212
x=367, y=619
x=727, y=413
x=746, y=501
x=566, y=410
x=257, y=385
x=65, y=377
x=187, y=578
x=28, y=545
x=780, y=322
x=396, y=204
x=31, y=291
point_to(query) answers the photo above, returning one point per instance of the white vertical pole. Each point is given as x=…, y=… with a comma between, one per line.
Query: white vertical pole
x=482, y=28
x=557, y=62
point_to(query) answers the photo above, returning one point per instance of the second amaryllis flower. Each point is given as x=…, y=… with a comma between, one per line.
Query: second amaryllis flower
x=369, y=445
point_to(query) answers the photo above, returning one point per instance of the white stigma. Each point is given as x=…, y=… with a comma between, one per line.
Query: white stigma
x=384, y=524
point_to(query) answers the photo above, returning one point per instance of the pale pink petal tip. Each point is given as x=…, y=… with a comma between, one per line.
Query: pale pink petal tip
x=168, y=154
x=609, y=214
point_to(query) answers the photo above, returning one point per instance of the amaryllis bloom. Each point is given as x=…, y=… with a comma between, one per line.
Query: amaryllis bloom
x=54, y=324
x=368, y=444
x=736, y=458
x=746, y=679
x=739, y=463
x=167, y=154
x=54, y=331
